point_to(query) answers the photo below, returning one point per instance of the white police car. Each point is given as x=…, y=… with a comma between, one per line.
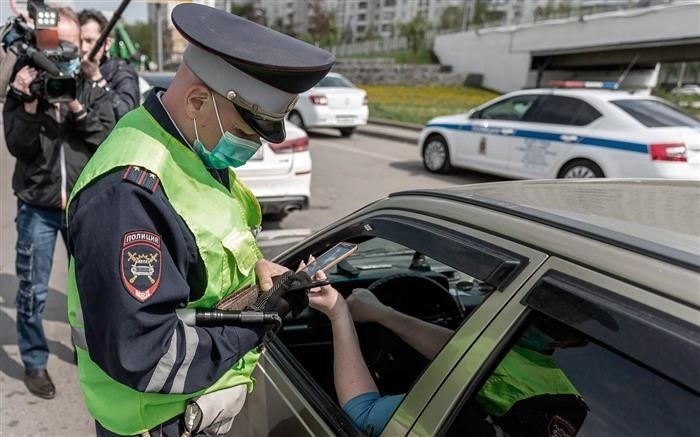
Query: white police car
x=567, y=133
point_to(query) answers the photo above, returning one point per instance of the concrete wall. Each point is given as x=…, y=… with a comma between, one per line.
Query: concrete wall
x=503, y=55
x=388, y=72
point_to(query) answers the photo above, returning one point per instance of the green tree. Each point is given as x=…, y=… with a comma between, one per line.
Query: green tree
x=451, y=18
x=322, y=27
x=415, y=32
x=142, y=36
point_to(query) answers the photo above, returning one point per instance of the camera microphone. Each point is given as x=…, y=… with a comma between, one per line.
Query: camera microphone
x=41, y=60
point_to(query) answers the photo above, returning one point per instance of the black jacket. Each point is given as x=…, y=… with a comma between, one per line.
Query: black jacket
x=123, y=85
x=50, y=153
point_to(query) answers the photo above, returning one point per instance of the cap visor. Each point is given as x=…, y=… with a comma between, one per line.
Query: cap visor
x=272, y=131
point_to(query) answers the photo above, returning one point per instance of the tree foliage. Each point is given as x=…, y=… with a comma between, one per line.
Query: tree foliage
x=415, y=32
x=142, y=36
x=451, y=18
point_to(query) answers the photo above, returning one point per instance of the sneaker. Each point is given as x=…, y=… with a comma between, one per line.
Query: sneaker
x=39, y=383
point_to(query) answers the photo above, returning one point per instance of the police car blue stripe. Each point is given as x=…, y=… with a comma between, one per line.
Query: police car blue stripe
x=549, y=136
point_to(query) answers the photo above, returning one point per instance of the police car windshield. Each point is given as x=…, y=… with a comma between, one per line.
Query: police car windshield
x=335, y=82
x=652, y=113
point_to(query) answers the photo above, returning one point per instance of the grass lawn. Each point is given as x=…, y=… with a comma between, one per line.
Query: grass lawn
x=418, y=104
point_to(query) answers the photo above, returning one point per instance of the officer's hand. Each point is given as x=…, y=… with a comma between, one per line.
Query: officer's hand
x=365, y=307
x=266, y=270
x=24, y=78
x=91, y=69
x=282, y=298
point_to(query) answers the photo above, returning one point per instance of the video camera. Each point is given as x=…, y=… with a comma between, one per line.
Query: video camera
x=40, y=48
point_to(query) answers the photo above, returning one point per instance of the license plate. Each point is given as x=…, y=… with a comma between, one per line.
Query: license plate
x=345, y=119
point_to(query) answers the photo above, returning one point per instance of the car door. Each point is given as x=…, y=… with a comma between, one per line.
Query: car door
x=598, y=338
x=548, y=134
x=480, y=272
x=493, y=132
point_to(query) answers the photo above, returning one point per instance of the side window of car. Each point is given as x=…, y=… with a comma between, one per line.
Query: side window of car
x=552, y=379
x=563, y=110
x=513, y=108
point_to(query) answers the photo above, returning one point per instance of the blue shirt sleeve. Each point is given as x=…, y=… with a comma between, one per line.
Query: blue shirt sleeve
x=371, y=409
x=134, y=336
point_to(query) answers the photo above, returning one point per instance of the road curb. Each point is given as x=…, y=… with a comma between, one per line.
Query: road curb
x=398, y=124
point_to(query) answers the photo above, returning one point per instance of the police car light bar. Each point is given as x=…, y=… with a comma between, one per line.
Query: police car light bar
x=607, y=85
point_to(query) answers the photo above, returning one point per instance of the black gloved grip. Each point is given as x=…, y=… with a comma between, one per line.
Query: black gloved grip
x=280, y=299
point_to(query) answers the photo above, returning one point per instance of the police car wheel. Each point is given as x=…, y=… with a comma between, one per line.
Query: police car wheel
x=295, y=118
x=580, y=169
x=436, y=156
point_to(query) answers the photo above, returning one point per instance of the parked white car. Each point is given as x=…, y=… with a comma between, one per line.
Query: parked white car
x=334, y=102
x=279, y=175
x=567, y=133
x=688, y=90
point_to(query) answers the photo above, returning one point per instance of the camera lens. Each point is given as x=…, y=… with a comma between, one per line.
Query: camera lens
x=60, y=89
x=56, y=87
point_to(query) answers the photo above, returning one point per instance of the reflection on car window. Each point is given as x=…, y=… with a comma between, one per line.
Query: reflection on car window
x=652, y=113
x=408, y=281
x=563, y=110
x=513, y=108
x=335, y=81
x=554, y=380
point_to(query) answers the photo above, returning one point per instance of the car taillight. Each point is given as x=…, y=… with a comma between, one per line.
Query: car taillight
x=290, y=146
x=668, y=152
x=365, y=102
x=319, y=100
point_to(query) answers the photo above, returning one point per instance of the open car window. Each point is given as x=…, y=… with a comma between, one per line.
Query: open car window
x=432, y=273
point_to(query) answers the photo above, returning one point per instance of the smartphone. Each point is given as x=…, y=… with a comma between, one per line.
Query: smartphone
x=331, y=257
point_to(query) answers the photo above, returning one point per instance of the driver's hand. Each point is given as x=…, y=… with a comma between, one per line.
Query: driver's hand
x=327, y=299
x=365, y=307
x=266, y=270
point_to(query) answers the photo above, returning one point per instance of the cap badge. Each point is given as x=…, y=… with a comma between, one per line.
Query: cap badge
x=231, y=95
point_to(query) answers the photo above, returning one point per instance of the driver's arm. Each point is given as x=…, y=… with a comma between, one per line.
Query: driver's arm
x=422, y=336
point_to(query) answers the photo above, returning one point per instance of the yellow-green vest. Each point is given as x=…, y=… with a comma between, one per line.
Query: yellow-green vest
x=220, y=221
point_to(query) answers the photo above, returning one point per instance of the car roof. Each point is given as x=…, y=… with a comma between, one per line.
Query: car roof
x=656, y=217
x=586, y=92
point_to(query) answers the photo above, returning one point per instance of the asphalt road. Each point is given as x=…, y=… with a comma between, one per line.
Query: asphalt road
x=347, y=174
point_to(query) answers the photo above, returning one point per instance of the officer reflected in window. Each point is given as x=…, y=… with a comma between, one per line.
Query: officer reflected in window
x=116, y=76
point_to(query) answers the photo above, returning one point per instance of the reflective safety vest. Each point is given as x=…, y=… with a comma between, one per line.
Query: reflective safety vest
x=220, y=221
x=524, y=373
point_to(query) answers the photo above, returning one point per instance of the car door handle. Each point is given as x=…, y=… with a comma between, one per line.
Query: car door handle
x=569, y=138
x=507, y=131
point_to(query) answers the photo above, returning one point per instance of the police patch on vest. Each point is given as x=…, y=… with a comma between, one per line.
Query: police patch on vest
x=140, y=264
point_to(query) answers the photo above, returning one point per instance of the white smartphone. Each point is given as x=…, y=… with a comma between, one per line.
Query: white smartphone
x=331, y=257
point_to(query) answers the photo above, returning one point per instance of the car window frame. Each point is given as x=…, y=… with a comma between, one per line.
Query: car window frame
x=363, y=227
x=531, y=115
x=497, y=338
x=477, y=115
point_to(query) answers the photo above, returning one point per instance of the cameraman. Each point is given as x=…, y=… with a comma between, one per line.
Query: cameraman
x=52, y=142
x=116, y=76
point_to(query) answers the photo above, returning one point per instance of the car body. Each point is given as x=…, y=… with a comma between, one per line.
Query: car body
x=614, y=264
x=688, y=90
x=279, y=175
x=557, y=133
x=334, y=102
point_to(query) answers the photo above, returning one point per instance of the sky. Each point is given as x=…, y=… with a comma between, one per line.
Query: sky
x=136, y=11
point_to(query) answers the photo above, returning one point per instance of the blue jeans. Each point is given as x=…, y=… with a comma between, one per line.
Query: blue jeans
x=36, y=238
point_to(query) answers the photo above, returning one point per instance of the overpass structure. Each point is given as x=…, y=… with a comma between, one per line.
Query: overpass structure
x=593, y=47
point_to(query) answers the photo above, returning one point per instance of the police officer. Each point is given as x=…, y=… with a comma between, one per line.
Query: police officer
x=157, y=222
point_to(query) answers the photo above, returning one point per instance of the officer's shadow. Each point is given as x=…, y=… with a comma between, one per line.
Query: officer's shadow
x=55, y=310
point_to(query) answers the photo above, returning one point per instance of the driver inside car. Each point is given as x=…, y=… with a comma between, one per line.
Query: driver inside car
x=526, y=393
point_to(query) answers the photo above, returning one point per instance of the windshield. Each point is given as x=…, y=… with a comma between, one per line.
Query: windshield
x=335, y=82
x=653, y=113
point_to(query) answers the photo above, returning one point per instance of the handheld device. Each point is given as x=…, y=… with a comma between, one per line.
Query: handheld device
x=331, y=257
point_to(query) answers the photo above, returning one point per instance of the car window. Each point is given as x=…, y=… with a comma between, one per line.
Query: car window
x=335, y=81
x=554, y=380
x=562, y=110
x=513, y=108
x=653, y=113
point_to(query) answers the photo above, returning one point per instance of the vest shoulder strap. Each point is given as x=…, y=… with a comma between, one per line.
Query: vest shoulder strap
x=141, y=177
